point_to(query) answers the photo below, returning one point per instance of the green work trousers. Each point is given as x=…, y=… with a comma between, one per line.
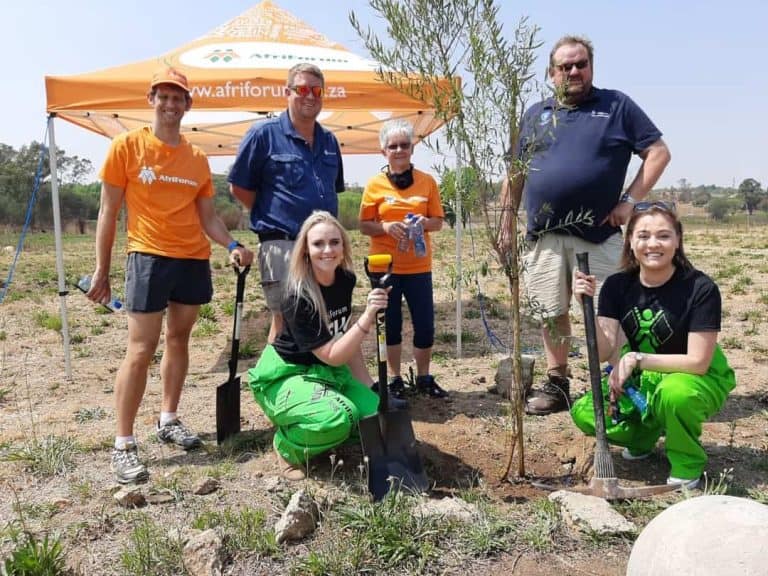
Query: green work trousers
x=678, y=404
x=315, y=408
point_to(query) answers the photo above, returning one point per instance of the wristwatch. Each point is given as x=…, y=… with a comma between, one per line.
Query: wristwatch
x=628, y=199
x=232, y=245
x=639, y=356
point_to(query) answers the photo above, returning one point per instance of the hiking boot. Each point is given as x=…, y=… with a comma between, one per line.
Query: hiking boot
x=126, y=465
x=397, y=388
x=552, y=397
x=393, y=403
x=427, y=385
x=174, y=432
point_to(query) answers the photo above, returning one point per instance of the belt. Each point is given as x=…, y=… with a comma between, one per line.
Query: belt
x=274, y=235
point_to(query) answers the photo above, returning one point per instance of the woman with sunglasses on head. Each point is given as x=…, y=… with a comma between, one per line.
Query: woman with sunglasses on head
x=312, y=382
x=670, y=314
x=388, y=199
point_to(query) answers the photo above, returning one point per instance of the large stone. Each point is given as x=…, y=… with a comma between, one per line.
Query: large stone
x=705, y=536
x=202, y=554
x=504, y=376
x=590, y=514
x=298, y=519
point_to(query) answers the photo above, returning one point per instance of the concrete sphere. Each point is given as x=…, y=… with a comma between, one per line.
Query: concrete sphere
x=708, y=535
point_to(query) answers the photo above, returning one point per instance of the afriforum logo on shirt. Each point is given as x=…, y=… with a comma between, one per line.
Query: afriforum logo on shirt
x=147, y=176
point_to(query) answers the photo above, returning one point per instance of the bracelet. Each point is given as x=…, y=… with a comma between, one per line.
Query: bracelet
x=363, y=330
x=232, y=245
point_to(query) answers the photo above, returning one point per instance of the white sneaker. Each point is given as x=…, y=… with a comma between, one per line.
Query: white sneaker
x=689, y=484
x=126, y=465
x=627, y=455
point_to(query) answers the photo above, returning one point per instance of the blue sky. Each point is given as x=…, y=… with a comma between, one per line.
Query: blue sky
x=694, y=67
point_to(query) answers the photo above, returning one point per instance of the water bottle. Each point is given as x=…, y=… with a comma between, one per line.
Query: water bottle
x=417, y=234
x=638, y=399
x=404, y=243
x=632, y=393
x=84, y=284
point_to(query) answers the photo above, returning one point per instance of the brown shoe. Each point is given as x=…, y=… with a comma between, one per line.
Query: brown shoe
x=288, y=470
x=552, y=397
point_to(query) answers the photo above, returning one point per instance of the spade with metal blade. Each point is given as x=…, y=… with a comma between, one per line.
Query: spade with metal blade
x=604, y=483
x=387, y=437
x=228, y=394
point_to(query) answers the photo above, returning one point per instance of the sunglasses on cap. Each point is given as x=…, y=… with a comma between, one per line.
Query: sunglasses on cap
x=645, y=206
x=304, y=91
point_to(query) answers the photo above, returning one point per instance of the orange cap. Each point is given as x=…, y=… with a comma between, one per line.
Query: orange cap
x=169, y=76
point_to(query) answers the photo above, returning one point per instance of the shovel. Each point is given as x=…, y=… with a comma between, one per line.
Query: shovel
x=387, y=437
x=604, y=483
x=228, y=394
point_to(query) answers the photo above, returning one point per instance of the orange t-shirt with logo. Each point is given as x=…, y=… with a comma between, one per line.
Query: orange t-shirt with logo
x=383, y=202
x=162, y=184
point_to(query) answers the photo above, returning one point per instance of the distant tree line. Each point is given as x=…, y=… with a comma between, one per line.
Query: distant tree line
x=18, y=168
x=719, y=201
x=78, y=199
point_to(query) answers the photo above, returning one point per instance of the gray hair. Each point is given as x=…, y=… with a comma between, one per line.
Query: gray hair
x=568, y=40
x=307, y=68
x=396, y=127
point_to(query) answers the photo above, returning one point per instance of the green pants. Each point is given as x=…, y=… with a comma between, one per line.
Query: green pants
x=678, y=404
x=315, y=408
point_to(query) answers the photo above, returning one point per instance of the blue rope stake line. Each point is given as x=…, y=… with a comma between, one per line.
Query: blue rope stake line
x=28, y=219
x=493, y=338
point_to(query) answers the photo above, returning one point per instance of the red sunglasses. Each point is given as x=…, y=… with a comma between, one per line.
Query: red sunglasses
x=304, y=91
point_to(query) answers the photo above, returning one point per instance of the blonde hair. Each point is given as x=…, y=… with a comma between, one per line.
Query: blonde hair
x=307, y=68
x=301, y=282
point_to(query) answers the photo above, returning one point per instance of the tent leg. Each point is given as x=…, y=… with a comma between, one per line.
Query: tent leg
x=459, y=168
x=52, y=156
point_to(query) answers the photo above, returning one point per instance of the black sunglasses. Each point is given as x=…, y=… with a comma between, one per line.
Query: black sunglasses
x=661, y=205
x=399, y=146
x=580, y=65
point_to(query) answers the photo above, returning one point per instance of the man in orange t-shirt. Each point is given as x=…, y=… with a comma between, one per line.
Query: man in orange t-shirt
x=167, y=188
x=387, y=199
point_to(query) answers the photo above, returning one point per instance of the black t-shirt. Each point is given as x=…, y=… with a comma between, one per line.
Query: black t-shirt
x=659, y=319
x=303, y=329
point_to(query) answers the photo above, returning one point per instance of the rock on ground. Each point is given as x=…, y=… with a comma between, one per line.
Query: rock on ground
x=202, y=554
x=707, y=536
x=453, y=508
x=298, y=519
x=591, y=514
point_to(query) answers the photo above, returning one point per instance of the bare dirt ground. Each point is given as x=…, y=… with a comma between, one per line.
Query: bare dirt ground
x=463, y=440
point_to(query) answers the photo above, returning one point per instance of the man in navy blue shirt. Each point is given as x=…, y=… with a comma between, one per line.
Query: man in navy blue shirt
x=286, y=168
x=576, y=148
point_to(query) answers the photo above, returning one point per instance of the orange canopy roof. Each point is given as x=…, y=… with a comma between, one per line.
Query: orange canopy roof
x=237, y=74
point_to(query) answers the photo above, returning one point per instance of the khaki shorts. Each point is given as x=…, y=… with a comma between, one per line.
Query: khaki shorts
x=274, y=256
x=548, y=266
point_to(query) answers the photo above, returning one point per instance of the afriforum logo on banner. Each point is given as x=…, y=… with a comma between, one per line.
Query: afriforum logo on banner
x=273, y=55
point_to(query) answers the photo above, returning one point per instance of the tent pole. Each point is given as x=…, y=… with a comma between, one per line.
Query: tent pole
x=52, y=157
x=459, y=166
